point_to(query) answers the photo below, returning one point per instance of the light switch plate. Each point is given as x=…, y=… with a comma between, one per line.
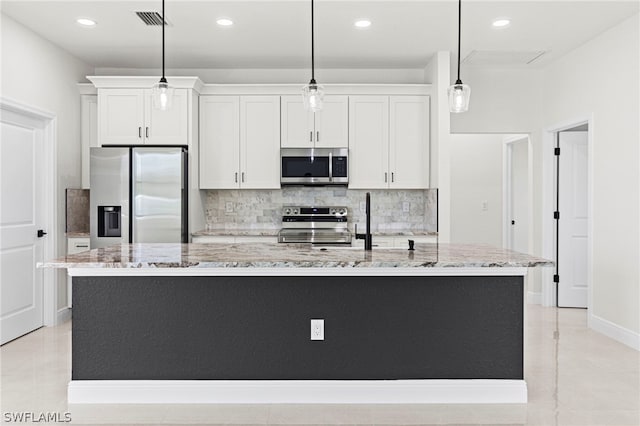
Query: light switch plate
x=228, y=207
x=317, y=329
x=406, y=206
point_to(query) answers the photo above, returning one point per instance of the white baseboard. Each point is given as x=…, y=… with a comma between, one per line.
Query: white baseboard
x=534, y=298
x=616, y=332
x=297, y=391
x=63, y=315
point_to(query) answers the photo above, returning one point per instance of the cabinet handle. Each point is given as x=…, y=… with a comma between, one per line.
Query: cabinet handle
x=140, y=132
x=392, y=177
x=311, y=136
x=81, y=245
x=243, y=177
x=385, y=177
x=236, y=177
x=318, y=136
x=146, y=133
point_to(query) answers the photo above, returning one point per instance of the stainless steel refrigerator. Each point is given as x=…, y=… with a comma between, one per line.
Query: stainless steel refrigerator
x=138, y=195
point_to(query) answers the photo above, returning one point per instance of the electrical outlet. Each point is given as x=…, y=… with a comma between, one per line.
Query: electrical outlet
x=228, y=206
x=363, y=206
x=485, y=205
x=406, y=206
x=317, y=329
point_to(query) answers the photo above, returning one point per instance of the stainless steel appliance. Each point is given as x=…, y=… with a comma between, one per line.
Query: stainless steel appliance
x=316, y=225
x=138, y=195
x=314, y=166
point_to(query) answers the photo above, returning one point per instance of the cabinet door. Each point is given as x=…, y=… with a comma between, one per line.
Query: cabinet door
x=121, y=113
x=260, y=142
x=368, y=142
x=297, y=123
x=168, y=127
x=89, y=133
x=332, y=123
x=219, y=142
x=409, y=142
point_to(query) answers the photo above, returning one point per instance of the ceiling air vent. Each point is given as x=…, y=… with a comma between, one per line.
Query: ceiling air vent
x=502, y=57
x=151, y=18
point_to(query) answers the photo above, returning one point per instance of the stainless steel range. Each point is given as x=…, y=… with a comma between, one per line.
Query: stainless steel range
x=316, y=225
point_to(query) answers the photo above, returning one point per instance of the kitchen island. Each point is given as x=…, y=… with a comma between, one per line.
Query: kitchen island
x=231, y=323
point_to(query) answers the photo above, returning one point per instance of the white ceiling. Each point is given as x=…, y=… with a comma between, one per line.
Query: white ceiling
x=276, y=34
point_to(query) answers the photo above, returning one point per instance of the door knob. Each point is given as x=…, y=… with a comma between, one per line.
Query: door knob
x=41, y=233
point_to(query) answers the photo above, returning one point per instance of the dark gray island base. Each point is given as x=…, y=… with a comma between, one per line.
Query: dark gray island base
x=231, y=323
x=258, y=328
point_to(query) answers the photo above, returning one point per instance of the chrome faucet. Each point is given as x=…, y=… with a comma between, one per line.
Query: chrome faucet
x=368, y=241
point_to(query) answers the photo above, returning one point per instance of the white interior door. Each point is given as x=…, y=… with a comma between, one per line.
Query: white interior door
x=519, y=197
x=573, y=229
x=21, y=209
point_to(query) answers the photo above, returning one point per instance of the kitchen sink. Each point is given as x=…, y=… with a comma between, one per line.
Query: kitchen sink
x=337, y=247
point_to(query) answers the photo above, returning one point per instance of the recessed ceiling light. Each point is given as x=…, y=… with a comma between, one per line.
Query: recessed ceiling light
x=501, y=22
x=224, y=22
x=86, y=22
x=362, y=23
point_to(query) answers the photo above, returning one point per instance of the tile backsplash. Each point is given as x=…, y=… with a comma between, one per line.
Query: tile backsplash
x=262, y=209
x=77, y=210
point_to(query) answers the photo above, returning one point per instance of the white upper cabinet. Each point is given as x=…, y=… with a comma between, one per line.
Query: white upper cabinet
x=409, y=142
x=332, y=123
x=219, y=142
x=389, y=142
x=328, y=128
x=296, y=123
x=127, y=117
x=260, y=142
x=239, y=142
x=369, y=142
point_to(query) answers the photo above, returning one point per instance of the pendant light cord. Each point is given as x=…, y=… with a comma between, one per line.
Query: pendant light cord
x=313, y=79
x=459, y=26
x=164, y=22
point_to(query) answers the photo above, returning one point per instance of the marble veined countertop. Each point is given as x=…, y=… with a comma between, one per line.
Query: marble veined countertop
x=262, y=255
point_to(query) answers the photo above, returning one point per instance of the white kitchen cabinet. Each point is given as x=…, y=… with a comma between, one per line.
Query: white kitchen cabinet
x=75, y=245
x=219, y=142
x=369, y=142
x=260, y=142
x=88, y=133
x=388, y=142
x=239, y=142
x=409, y=142
x=328, y=128
x=127, y=117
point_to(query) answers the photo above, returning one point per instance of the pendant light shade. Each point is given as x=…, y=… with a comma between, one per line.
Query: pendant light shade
x=312, y=93
x=162, y=93
x=459, y=93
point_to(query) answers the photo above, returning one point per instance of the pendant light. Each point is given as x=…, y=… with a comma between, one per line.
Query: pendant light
x=162, y=93
x=459, y=93
x=312, y=93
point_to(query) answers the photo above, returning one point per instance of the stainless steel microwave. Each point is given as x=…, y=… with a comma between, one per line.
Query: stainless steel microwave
x=314, y=166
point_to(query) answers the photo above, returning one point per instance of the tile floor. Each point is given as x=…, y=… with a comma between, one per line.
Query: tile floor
x=575, y=377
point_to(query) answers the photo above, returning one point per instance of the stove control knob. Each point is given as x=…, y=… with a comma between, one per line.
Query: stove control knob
x=295, y=211
x=342, y=211
x=333, y=211
x=287, y=212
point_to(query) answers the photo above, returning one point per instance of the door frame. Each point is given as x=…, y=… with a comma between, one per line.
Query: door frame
x=548, y=205
x=45, y=123
x=507, y=149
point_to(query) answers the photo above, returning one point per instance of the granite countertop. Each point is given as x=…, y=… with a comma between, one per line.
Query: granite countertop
x=261, y=255
x=274, y=232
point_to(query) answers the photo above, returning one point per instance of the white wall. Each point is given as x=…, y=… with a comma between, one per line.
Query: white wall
x=601, y=79
x=40, y=74
x=476, y=177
